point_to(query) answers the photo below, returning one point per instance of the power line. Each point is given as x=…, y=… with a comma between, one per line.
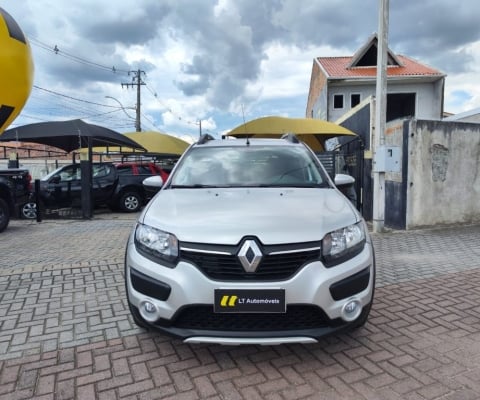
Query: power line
x=170, y=110
x=151, y=122
x=90, y=111
x=138, y=82
x=73, y=98
x=135, y=81
x=197, y=123
x=56, y=50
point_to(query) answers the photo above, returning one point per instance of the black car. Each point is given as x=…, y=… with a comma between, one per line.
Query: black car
x=15, y=188
x=63, y=187
x=118, y=186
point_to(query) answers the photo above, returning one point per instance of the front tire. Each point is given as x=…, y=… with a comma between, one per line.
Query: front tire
x=362, y=320
x=137, y=318
x=29, y=210
x=130, y=202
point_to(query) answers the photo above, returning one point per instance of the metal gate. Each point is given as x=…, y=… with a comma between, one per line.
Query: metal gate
x=348, y=158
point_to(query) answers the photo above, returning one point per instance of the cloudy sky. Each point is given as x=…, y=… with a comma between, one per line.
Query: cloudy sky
x=222, y=61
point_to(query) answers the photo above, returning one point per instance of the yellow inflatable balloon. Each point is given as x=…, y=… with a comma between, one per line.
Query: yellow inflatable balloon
x=16, y=69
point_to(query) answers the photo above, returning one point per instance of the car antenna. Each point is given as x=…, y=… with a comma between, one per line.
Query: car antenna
x=245, y=125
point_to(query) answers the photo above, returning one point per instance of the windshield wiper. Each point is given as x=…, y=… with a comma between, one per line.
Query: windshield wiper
x=293, y=185
x=195, y=186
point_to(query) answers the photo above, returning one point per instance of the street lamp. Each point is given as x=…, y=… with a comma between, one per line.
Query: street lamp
x=124, y=109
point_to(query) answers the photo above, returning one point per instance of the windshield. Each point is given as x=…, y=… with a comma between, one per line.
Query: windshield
x=252, y=166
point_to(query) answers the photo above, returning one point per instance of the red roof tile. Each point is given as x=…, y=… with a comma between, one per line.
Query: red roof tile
x=337, y=67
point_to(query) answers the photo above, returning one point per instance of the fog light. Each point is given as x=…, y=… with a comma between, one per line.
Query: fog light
x=148, y=311
x=351, y=310
x=149, y=307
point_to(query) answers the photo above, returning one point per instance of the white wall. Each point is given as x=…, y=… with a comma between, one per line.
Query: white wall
x=38, y=168
x=443, y=173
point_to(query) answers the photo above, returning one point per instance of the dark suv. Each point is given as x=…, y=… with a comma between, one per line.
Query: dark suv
x=131, y=194
x=15, y=189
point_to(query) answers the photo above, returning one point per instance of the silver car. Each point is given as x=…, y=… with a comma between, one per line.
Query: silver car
x=250, y=242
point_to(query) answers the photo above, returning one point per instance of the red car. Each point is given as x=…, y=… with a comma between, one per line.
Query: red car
x=148, y=169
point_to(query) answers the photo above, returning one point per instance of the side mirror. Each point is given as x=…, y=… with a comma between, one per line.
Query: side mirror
x=344, y=183
x=153, y=182
x=344, y=180
x=152, y=185
x=55, y=180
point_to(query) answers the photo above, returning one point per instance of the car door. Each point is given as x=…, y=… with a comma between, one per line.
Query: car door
x=104, y=179
x=64, y=188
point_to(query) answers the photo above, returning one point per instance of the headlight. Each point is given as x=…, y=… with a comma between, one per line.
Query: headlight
x=343, y=244
x=156, y=245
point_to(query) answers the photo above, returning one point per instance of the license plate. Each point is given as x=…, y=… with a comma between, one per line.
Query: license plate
x=249, y=301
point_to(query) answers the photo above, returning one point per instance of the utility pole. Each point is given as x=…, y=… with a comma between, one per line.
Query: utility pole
x=136, y=81
x=380, y=119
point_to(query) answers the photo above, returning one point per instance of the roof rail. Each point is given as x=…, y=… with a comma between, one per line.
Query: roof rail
x=205, y=138
x=291, y=137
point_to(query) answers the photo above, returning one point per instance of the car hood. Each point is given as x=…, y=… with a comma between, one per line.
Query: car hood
x=273, y=215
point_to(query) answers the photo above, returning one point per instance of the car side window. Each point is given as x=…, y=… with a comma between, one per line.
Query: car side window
x=144, y=170
x=70, y=173
x=100, y=171
x=124, y=169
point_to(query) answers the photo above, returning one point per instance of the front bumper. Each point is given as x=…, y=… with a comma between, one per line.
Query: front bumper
x=315, y=298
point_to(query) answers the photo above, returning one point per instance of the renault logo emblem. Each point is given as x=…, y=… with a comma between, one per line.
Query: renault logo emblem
x=250, y=255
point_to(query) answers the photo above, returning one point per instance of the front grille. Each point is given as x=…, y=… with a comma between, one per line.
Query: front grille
x=297, y=317
x=227, y=267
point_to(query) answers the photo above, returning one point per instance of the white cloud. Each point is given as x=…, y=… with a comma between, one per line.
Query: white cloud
x=462, y=90
x=217, y=60
x=286, y=70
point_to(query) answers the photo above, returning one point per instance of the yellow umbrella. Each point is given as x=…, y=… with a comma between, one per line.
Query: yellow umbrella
x=153, y=142
x=160, y=143
x=314, y=132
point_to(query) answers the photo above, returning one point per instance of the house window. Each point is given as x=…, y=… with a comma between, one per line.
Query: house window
x=337, y=101
x=354, y=99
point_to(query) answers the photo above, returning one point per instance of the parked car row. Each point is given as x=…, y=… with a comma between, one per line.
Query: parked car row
x=118, y=186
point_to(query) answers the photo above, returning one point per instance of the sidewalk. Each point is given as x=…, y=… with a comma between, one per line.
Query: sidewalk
x=65, y=330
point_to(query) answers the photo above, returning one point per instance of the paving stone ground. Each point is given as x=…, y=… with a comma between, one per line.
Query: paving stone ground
x=65, y=332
